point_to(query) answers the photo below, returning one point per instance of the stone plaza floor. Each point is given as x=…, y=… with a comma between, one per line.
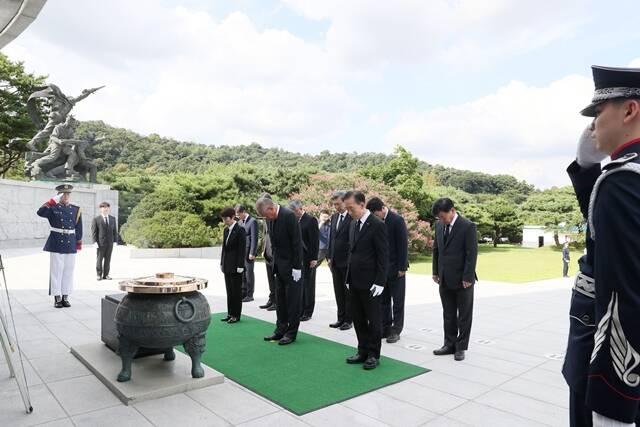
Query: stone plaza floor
x=511, y=376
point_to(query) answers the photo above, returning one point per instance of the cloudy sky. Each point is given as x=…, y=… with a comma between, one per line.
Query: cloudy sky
x=493, y=85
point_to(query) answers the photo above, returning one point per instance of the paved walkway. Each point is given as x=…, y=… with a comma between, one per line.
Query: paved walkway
x=511, y=376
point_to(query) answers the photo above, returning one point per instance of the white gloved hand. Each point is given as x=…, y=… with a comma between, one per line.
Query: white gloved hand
x=588, y=154
x=296, y=275
x=57, y=197
x=347, y=285
x=376, y=290
x=239, y=270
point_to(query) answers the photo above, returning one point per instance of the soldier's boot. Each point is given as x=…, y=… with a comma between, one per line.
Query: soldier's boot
x=57, y=302
x=65, y=301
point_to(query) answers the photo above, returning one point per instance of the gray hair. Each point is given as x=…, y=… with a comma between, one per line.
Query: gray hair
x=338, y=195
x=262, y=203
x=295, y=204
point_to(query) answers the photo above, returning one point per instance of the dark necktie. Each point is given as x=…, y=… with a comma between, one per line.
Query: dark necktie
x=339, y=222
x=446, y=232
x=358, y=224
x=106, y=221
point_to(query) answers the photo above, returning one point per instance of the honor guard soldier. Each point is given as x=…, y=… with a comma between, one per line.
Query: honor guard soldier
x=612, y=383
x=65, y=239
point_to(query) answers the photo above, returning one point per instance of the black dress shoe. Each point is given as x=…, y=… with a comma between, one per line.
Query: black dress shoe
x=356, y=358
x=272, y=307
x=65, y=301
x=346, y=326
x=286, y=340
x=443, y=350
x=107, y=278
x=274, y=337
x=459, y=355
x=393, y=338
x=335, y=325
x=371, y=363
x=57, y=302
x=267, y=305
x=233, y=320
x=305, y=318
x=225, y=319
x=247, y=299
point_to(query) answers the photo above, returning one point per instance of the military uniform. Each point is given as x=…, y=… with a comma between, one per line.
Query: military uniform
x=65, y=239
x=601, y=364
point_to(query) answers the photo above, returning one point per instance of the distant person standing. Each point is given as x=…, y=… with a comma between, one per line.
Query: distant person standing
x=65, y=240
x=104, y=231
x=455, y=252
x=565, y=260
x=325, y=232
x=250, y=226
x=337, y=259
x=394, y=291
x=268, y=262
x=232, y=263
x=310, y=243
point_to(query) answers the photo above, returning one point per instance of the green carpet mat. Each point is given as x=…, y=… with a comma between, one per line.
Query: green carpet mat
x=302, y=377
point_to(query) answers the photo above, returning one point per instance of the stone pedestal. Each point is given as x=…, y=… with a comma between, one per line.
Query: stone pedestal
x=20, y=227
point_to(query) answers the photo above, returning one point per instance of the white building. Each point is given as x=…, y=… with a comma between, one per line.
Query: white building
x=536, y=236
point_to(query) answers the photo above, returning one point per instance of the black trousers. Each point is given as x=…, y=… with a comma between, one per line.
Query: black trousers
x=565, y=269
x=103, y=260
x=288, y=306
x=233, y=283
x=367, y=321
x=309, y=290
x=342, y=294
x=248, y=278
x=457, y=313
x=579, y=414
x=272, y=282
x=393, y=305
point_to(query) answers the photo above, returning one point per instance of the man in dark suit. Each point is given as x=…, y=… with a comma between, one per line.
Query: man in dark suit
x=105, y=233
x=232, y=263
x=366, y=277
x=455, y=252
x=394, y=291
x=250, y=226
x=310, y=245
x=286, y=245
x=337, y=257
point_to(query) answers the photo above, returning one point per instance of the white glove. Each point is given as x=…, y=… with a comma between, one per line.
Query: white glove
x=239, y=270
x=57, y=197
x=347, y=285
x=296, y=274
x=588, y=155
x=376, y=290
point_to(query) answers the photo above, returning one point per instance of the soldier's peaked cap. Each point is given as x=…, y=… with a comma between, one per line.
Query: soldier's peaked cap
x=64, y=188
x=612, y=83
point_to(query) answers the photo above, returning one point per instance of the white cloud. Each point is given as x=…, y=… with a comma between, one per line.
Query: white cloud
x=529, y=132
x=465, y=32
x=182, y=73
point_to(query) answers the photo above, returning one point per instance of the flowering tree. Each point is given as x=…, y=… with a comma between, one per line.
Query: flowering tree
x=316, y=197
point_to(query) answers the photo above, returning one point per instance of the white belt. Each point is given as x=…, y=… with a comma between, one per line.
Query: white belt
x=585, y=285
x=63, y=231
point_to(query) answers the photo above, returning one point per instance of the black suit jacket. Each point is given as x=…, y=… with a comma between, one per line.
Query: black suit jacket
x=369, y=254
x=286, y=243
x=398, y=243
x=250, y=226
x=233, y=249
x=102, y=234
x=310, y=237
x=339, y=241
x=455, y=261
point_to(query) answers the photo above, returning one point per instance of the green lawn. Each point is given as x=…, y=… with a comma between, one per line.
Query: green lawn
x=510, y=263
